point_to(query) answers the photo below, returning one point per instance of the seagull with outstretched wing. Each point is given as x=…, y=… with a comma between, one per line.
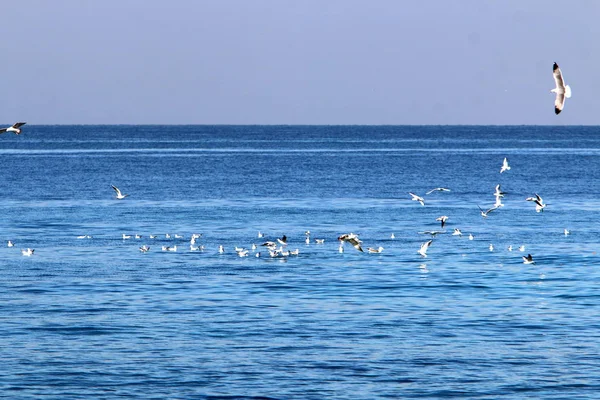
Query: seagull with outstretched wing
x=562, y=91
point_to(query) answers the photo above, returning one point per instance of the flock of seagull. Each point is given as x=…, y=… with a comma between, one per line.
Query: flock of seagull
x=278, y=248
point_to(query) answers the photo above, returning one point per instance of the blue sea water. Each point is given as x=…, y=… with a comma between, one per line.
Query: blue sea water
x=96, y=318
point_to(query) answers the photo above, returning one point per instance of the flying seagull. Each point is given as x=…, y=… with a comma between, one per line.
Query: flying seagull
x=528, y=259
x=505, y=166
x=484, y=214
x=120, y=196
x=14, y=128
x=440, y=189
x=562, y=91
x=417, y=198
x=423, y=250
x=351, y=238
x=442, y=219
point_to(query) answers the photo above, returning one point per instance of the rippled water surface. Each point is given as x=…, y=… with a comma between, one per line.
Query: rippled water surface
x=96, y=318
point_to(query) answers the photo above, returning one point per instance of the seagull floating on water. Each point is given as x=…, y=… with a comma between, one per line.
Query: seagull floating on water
x=439, y=189
x=373, y=250
x=10, y=244
x=505, y=166
x=144, y=249
x=27, y=252
x=457, y=232
x=14, y=128
x=319, y=241
x=562, y=91
x=491, y=247
x=567, y=232
x=119, y=195
x=392, y=236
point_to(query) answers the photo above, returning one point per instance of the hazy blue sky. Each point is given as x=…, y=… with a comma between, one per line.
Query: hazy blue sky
x=298, y=62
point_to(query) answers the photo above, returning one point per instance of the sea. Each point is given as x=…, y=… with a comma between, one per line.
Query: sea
x=88, y=315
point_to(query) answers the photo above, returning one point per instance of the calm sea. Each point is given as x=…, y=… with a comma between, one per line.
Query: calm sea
x=96, y=318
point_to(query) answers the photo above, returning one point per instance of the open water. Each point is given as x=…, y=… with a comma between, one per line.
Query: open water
x=96, y=318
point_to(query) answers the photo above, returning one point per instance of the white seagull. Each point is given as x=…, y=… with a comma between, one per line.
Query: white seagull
x=377, y=250
x=528, y=259
x=539, y=202
x=484, y=214
x=417, y=198
x=457, y=232
x=442, y=219
x=120, y=196
x=505, y=166
x=561, y=89
x=14, y=128
x=423, y=250
x=10, y=244
x=353, y=239
x=27, y=252
x=144, y=249
x=567, y=232
x=439, y=189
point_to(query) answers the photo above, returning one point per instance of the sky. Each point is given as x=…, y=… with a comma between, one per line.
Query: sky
x=347, y=62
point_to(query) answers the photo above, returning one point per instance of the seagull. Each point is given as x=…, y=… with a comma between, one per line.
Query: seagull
x=505, y=166
x=194, y=248
x=423, y=250
x=522, y=248
x=539, y=202
x=432, y=233
x=242, y=253
x=510, y=247
x=352, y=239
x=84, y=237
x=567, y=232
x=144, y=249
x=319, y=241
x=126, y=236
x=491, y=247
x=377, y=250
x=440, y=189
x=221, y=249
x=471, y=237
x=27, y=252
x=561, y=89
x=152, y=236
x=283, y=240
x=307, y=240
x=443, y=219
x=120, y=196
x=270, y=245
x=10, y=244
x=528, y=259
x=294, y=252
x=498, y=192
x=14, y=128
x=457, y=232
x=260, y=235
x=392, y=236
x=417, y=198
x=484, y=214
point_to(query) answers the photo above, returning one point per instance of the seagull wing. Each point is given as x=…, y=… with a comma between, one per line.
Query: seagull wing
x=559, y=103
x=355, y=243
x=558, y=78
x=3, y=130
x=18, y=124
x=116, y=189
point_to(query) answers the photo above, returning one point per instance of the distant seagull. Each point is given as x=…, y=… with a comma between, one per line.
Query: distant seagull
x=152, y=236
x=457, y=232
x=373, y=250
x=505, y=166
x=423, y=250
x=510, y=248
x=10, y=244
x=221, y=249
x=528, y=259
x=561, y=89
x=491, y=247
x=319, y=241
x=167, y=236
x=417, y=198
x=120, y=196
x=442, y=219
x=270, y=245
x=178, y=236
x=294, y=252
x=144, y=249
x=242, y=253
x=283, y=240
x=194, y=248
x=307, y=240
x=353, y=239
x=498, y=192
x=84, y=237
x=432, y=233
x=14, y=128
x=392, y=236
x=471, y=237
x=440, y=189
x=522, y=248
x=253, y=246
x=484, y=214
x=138, y=236
x=567, y=232
x=126, y=236
x=27, y=252
x=260, y=235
